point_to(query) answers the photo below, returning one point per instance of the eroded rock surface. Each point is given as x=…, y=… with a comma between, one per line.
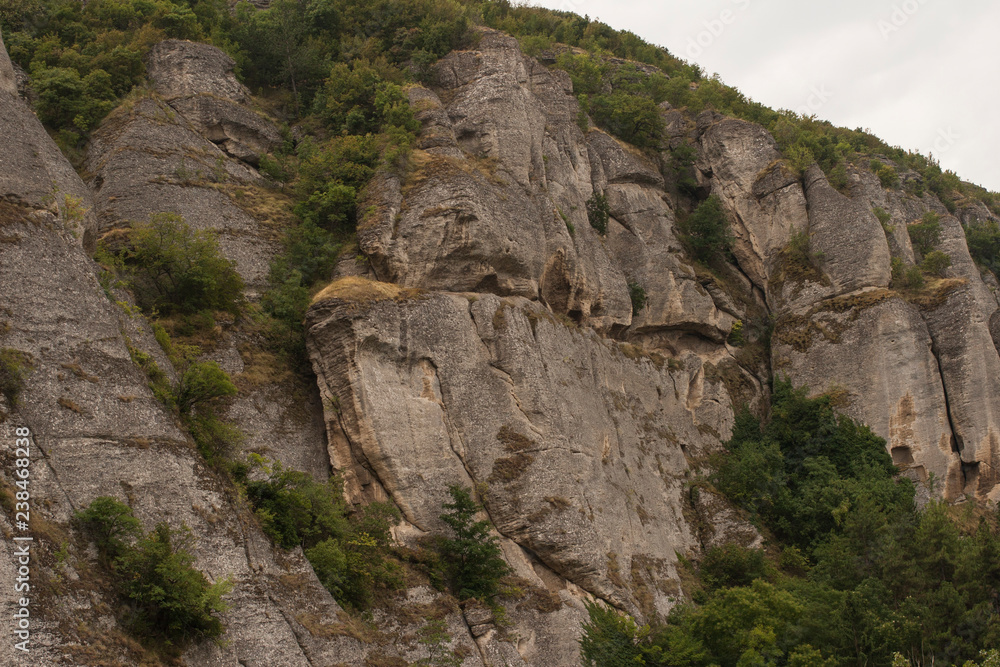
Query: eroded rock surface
x=197, y=80
x=98, y=430
x=581, y=445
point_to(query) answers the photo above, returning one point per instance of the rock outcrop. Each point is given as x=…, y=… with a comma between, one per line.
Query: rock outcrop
x=581, y=442
x=197, y=81
x=98, y=430
x=576, y=378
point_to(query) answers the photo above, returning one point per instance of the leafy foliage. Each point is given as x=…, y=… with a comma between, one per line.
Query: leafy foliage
x=200, y=383
x=168, y=599
x=637, y=293
x=868, y=578
x=83, y=57
x=706, y=231
x=795, y=483
x=925, y=234
x=14, y=368
x=172, y=268
x=984, y=244
x=598, y=212
x=935, y=262
x=634, y=118
x=473, y=555
x=110, y=523
x=168, y=595
x=347, y=549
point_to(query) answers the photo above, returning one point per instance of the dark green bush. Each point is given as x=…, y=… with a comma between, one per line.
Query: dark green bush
x=984, y=244
x=935, y=262
x=887, y=176
x=586, y=71
x=872, y=576
x=637, y=294
x=111, y=525
x=838, y=177
x=732, y=565
x=201, y=383
x=167, y=599
x=913, y=278
x=884, y=217
x=634, y=118
x=795, y=472
x=14, y=369
x=349, y=550
x=356, y=565
x=681, y=164
x=172, y=268
x=294, y=509
x=925, y=234
x=706, y=231
x=473, y=556
x=598, y=212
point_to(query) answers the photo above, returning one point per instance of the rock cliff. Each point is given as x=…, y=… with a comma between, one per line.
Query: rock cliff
x=490, y=340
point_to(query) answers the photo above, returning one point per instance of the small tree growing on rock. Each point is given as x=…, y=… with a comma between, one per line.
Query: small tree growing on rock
x=473, y=555
x=706, y=230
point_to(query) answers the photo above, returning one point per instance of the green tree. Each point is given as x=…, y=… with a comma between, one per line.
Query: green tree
x=110, y=524
x=706, y=230
x=634, y=118
x=925, y=234
x=611, y=639
x=935, y=262
x=984, y=244
x=473, y=555
x=172, y=268
x=598, y=212
x=169, y=597
x=201, y=383
x=637, y=294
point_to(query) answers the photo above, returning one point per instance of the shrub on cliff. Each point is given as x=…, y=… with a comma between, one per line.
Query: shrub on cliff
x=172, y=268
x=473, y=556
x=984, y=244
x=168, y=599
x=925, y=234
x=14, y=367
x=634, y=118
x=706, y=231
x=349, y=549
x=168, y=596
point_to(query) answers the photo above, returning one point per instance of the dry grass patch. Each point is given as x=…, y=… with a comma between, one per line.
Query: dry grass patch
x=356, y=289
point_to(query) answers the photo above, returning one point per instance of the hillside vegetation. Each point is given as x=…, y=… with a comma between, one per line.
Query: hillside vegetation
x=854, y=571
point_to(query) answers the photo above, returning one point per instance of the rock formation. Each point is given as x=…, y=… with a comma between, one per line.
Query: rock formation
x=491, y=341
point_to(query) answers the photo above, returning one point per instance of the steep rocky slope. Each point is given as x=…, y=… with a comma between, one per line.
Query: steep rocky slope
x=488, y=340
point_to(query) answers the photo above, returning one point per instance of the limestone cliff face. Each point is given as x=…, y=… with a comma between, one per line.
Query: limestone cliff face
x=490, y=318
x=97, y=430
x=490, y=341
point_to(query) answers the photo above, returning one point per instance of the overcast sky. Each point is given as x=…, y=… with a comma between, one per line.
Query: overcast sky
x=921, y=74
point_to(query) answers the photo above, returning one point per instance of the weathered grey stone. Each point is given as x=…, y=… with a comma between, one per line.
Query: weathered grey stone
x=854, y=252
x=197, y=80
x=970, y=370
x=146, y=160
x=503, y=174
x=874, y=352
x=8, y=82
x=574, y=438
x=756, y=186
x=33, y=172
